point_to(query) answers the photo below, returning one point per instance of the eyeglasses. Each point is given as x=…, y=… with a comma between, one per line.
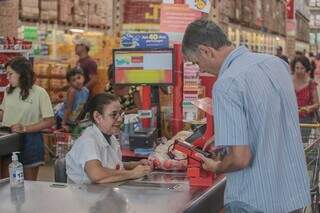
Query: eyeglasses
x=116, y=114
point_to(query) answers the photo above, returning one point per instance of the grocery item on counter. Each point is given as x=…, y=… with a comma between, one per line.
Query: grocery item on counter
x=161, y=160
x=16, y=172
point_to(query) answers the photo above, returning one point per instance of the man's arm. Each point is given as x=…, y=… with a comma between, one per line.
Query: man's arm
x=93, y=80
x=239, y=157
x=93, y=75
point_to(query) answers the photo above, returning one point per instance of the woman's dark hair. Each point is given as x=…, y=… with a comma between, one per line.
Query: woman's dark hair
x=98, y=102
x=27, y=78
x=303, y=60
x=73, y=72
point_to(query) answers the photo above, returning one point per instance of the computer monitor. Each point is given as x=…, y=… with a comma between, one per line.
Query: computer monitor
x=143, y=66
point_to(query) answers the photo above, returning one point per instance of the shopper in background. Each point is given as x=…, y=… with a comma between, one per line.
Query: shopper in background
x=312, y=63
x=129, y=95
x=86, y=63
x=306, y=92
x=71, y=110
x=26, y=108
x=298, y=54
x=281, y=55
x=256, y=119
x=96, y=156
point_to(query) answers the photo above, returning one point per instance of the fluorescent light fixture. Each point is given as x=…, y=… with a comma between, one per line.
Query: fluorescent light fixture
x=76, y=30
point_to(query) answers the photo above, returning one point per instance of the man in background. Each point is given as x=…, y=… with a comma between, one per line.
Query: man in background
x=86, y=63
x=281, y=55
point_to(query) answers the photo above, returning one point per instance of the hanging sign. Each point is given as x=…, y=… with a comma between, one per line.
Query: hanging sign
x=144, y=40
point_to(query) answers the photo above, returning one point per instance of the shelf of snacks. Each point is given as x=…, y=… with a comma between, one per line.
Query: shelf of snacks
x=52, y=77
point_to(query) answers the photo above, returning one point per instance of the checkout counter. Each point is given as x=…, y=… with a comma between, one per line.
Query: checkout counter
x=157, y=193
x=9, y=142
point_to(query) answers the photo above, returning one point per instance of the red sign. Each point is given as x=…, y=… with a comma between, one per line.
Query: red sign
x=141, y=11
x=290, y=9
x=176, y=17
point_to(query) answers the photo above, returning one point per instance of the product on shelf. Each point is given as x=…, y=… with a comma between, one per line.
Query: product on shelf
x=12, y=43
x=51, y=76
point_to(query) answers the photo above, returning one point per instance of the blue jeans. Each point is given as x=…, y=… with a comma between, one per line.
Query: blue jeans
x=32, y=150
x=241, y=207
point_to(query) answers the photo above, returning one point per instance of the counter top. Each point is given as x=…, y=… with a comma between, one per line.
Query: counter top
x=160, y=192
x=9, y=142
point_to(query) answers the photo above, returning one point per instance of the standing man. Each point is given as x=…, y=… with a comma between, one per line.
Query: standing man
x=280, y=54
x=86, y=63
x=256, y=119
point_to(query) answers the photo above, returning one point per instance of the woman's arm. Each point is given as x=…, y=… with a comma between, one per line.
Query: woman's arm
x=315, y=101
x=43, y=124
x=1, y=114
x=133, y=164
x=99, y=174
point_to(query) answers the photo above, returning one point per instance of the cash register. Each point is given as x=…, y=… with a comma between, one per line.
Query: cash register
x=143, y=138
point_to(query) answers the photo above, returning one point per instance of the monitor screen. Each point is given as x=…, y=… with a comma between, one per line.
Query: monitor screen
x=154, y=67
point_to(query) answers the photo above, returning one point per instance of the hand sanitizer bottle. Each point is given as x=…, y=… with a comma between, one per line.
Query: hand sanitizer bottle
x=16, y=171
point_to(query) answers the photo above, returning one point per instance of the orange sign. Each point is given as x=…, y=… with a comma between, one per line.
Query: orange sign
x=176, y=17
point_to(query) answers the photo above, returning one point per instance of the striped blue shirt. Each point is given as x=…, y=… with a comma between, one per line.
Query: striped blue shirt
x=255, y=105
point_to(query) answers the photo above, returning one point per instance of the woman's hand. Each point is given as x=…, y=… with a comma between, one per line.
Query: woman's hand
x=140, y=171
x=305, y=109
x=144, y=162
x=18, y=128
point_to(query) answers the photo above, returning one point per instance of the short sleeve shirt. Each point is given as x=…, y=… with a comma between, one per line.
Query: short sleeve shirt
x=89, y=67
x=92, y=145
x=254, y=104
x=26, y=112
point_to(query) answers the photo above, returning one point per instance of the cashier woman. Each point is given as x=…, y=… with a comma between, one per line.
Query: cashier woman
x=95, y=156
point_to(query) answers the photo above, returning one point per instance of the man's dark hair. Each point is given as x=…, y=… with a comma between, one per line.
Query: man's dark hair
x=98, y=102
x=73, y=72
x=24, y=68
x=303, y=60
x=203, y=32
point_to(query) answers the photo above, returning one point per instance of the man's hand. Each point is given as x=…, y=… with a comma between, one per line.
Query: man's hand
x=209, y=164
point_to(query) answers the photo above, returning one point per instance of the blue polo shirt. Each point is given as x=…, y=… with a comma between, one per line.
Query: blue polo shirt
x=255, y=105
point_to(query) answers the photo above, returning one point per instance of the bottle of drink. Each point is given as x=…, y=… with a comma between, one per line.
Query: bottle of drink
x=16, y=171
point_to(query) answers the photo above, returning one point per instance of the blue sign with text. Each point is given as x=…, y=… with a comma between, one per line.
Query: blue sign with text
x=144, y=40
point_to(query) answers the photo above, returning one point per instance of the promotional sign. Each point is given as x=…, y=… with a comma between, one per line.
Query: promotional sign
x=141, y=15
x=176, y=17
x=144, y=40
x=201, y=5
x=290, y=9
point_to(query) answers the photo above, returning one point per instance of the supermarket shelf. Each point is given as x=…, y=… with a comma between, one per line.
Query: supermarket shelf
x=16, y=51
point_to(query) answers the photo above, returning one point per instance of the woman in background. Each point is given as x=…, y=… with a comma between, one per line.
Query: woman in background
x=306, y=92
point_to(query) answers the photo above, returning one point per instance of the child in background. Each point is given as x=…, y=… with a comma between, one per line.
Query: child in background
x=77, y=96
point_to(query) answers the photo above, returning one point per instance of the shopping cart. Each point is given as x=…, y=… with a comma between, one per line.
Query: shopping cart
x=63, y=143
x=311, y=138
